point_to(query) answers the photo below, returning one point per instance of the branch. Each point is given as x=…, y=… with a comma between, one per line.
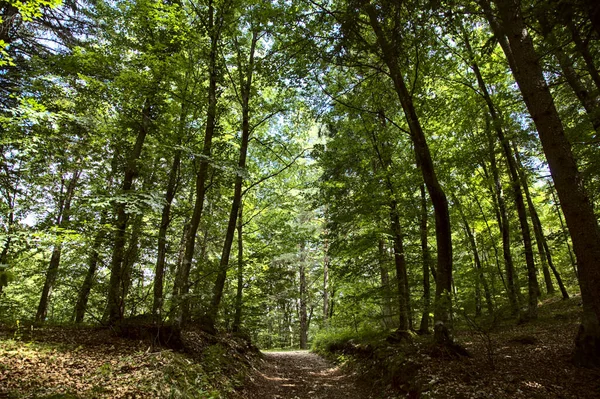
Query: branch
x=256, y=183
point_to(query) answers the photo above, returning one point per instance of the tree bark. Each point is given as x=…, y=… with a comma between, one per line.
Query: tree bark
x=386, y=163
x=62, y=222
x=577, y=208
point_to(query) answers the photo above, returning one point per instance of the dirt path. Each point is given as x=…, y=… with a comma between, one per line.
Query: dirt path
x=301, y=375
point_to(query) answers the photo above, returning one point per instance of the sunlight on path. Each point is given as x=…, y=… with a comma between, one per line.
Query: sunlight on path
x=300, y=375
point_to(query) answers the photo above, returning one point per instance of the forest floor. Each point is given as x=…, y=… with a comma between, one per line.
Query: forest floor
x=300, y=375
x=514, y=360
x=508, y=359
x=87, y=362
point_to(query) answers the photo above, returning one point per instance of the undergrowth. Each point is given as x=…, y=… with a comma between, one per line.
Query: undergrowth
x=416, y=367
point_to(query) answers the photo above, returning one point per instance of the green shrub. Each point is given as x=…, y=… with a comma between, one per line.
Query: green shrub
x=330, y=341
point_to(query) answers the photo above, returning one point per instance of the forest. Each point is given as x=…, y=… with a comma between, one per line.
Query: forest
x=378, y=180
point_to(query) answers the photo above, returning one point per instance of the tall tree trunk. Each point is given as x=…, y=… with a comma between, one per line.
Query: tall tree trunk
x=11, y=198
x=237, y=320
x=577, y=208
x=114, y=308
x=245, y=89
x=303, y=300
x=401, y=272
x=533, y=286
x=480, y=278
x=131, y=257
x=326, y=283
x=88, y=282
x=385, y=162
x=62, y=222
x=426, y=261
x=172, y=185
x=542, y=243
x=443, y=300
x=564, y=230
x=159, y=270
x=489, y=231
x=388, y=322
x=537, y=225
x=503, y=224
x=182, y=286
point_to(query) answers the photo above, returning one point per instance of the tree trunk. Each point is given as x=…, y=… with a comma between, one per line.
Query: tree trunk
x=489, y=231
x=386, y=295
x=405, y=321
x=533, y=286
x=564, y=230
x=245, y=88
x=542, y=243
x=62, y=222
x=443, y=300
x=182, y=286
x=159, y=270
x=302, y=310
x=426, y=260
x=10, y=202
x=131, y=257
x=480, y=278
x=326, y=284
x=237, y=320
x=578, y=211
x=114, y=308
x=503, y=224
x=88, y=282
x=172, y=184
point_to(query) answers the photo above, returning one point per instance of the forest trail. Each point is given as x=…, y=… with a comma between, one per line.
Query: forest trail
x=301, y=375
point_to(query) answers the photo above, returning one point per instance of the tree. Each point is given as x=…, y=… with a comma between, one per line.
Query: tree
x=390, y=46
x=579, y=214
